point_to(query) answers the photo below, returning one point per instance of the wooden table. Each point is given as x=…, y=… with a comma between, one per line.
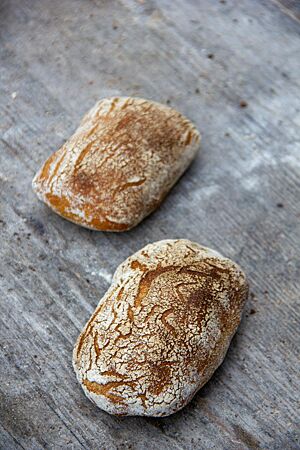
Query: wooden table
x=233, y=67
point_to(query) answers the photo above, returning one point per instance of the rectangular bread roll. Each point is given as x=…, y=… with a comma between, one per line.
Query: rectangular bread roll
x=119, y=164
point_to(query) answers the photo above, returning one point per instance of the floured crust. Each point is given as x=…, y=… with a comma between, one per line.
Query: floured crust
x=161, y=329
x=119, y=164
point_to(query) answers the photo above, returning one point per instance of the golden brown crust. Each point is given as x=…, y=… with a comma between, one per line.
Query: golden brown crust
x=118, y=166
x=161, y=330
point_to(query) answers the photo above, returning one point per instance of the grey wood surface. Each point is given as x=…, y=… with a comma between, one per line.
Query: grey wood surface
x=233, y=67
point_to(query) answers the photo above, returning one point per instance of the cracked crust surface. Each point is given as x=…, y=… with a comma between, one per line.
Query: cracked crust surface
x=161, y=329
x=119, y=164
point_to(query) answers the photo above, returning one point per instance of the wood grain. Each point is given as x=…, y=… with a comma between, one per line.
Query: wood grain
x=232, y=67
x=290, y=7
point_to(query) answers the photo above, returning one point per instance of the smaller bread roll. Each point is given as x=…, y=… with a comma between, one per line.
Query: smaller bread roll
x=119, y=164
x=161, y=329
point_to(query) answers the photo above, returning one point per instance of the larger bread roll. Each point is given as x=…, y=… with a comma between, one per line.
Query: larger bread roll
x=161, y=330
x=119, y=164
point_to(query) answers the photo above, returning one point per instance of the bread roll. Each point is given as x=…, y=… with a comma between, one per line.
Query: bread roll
x=119, y=164
x=161, y=330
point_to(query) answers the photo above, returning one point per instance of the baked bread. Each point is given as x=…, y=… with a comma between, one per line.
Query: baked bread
x=161, y=329
x=119, y=164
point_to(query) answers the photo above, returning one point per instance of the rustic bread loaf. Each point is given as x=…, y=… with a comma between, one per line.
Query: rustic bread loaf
x=161, y=330
x=118, y=166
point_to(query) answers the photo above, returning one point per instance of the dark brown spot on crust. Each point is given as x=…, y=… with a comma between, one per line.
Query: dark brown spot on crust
x=103, y=389
x=189, y=138
x=160, y=377
x=137, y=265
